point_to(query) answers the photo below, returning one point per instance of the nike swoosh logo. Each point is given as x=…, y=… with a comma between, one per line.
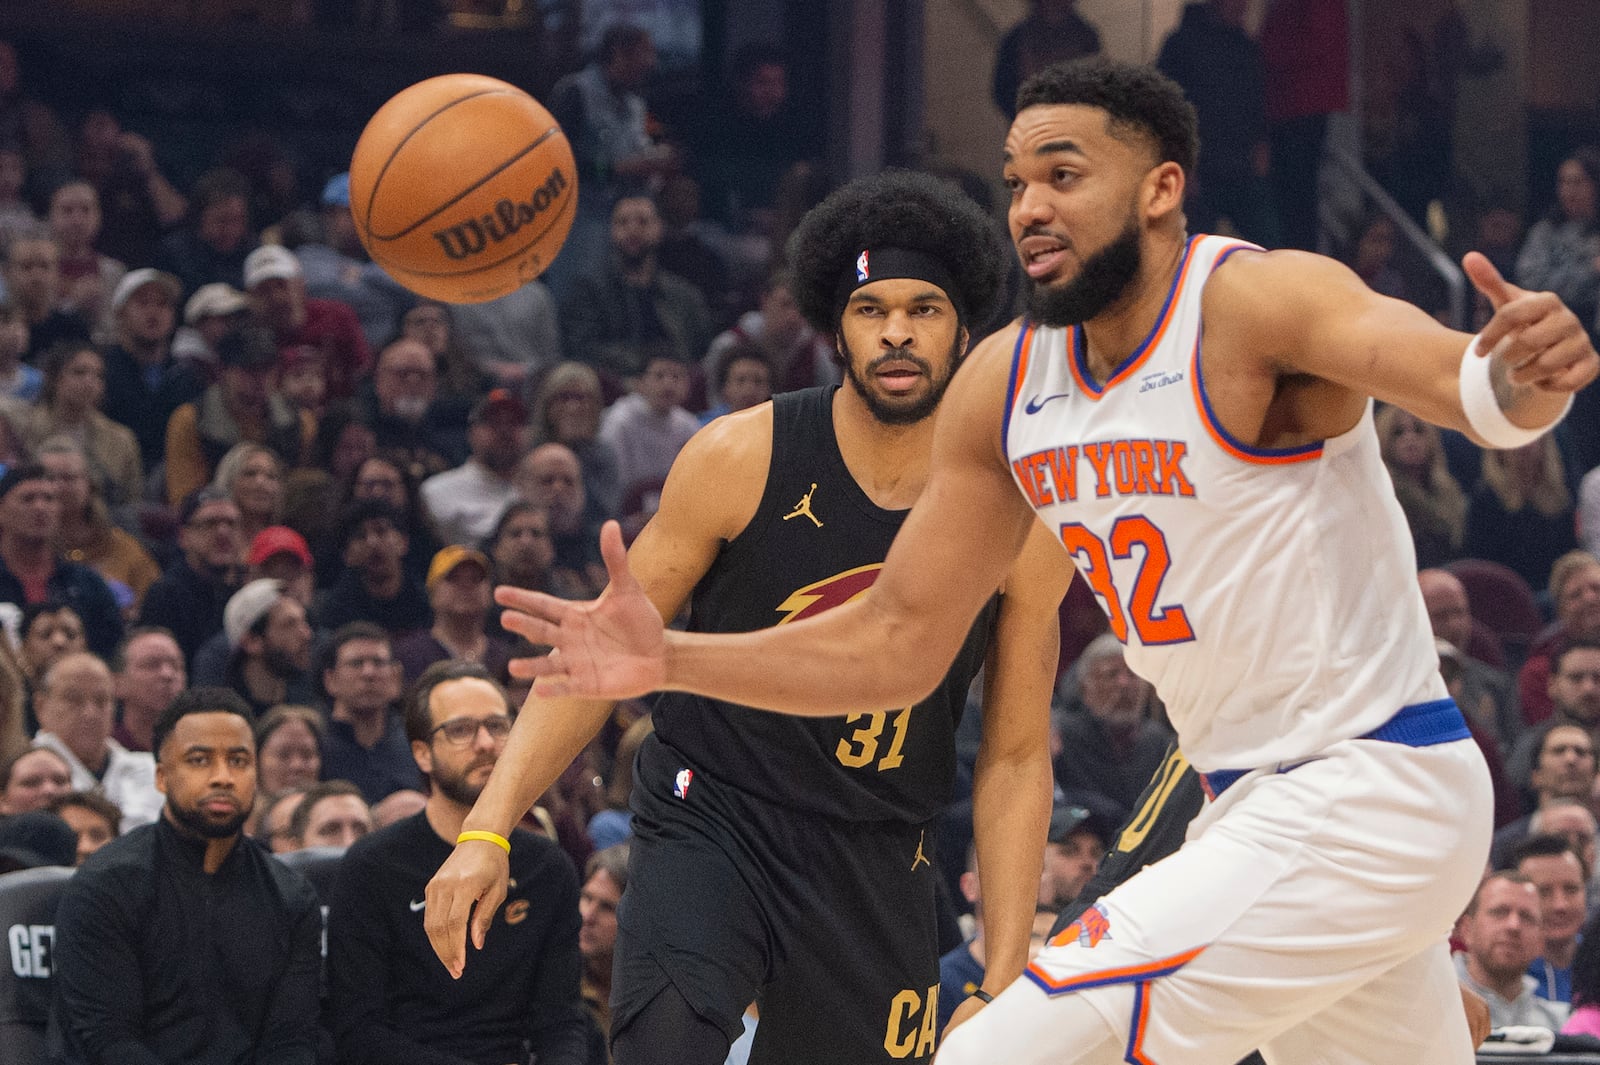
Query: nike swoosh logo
x=416, y=907
x=1036, y=404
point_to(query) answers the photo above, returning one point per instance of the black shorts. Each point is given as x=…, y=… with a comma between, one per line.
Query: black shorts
x=830, y=926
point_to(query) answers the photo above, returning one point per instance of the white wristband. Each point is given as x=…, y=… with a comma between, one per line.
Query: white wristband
x=1483, y=409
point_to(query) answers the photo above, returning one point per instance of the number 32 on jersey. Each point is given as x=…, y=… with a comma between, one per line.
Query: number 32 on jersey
x=1134, y=607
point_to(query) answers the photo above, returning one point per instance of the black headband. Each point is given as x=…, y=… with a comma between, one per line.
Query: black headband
x=883, y=264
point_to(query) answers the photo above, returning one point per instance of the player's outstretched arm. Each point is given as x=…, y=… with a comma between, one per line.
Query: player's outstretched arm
x=887, y=649
x=711, y=493
x=1294, y=313
x=1012, y=782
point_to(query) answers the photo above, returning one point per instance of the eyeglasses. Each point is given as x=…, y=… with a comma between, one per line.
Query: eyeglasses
x=460, y=731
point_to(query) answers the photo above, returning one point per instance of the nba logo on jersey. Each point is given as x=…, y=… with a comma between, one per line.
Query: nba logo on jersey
x=680, y=786
x=861, y=266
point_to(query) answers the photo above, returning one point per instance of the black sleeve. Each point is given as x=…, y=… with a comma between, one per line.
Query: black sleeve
x=102, y=618
x=358, y=974
x=557, y=1021
x=99, y=983
x=1161, y=819
x=289, y=1029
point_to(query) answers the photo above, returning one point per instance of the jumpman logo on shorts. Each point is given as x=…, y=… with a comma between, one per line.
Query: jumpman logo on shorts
x=919, y=857
x=803, y=508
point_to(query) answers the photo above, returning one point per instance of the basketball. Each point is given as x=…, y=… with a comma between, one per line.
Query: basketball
x=463, y=188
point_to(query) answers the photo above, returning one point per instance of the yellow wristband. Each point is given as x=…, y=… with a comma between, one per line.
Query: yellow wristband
x=488, y=837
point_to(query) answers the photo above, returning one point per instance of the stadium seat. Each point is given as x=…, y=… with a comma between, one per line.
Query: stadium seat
x=28, y=914
x=1503, y=601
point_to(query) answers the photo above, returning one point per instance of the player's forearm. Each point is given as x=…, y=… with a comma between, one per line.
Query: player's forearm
x=548, y=735
x=1010, y=814
x=852, y=659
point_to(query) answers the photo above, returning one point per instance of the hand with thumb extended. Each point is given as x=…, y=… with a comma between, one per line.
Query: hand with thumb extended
x=1540, y=340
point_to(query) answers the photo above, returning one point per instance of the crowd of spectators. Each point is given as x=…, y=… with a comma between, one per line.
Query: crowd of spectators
x=239, y=456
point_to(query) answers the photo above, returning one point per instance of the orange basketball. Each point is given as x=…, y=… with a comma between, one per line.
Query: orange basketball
x=463, y=188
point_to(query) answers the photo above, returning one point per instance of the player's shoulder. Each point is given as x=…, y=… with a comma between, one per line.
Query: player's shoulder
x=732, y=442
x=1285, y=281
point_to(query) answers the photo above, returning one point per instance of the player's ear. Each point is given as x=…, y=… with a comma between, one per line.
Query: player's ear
x=1163, y=190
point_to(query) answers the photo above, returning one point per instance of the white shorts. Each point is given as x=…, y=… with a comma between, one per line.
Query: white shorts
x=1306, y=916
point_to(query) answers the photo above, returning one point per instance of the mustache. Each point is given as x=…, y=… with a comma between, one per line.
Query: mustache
x=900, y=354
x=1042, y=231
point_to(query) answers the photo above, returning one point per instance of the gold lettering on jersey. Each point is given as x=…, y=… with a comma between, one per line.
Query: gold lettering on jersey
x=913, y=1023
x=803, y=508
x=1119, y=467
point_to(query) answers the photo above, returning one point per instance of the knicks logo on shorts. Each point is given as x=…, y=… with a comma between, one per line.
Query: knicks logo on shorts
x=1087, y=931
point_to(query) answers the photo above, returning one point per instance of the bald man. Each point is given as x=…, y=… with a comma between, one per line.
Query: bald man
x=1487, y=695
x=76, y=705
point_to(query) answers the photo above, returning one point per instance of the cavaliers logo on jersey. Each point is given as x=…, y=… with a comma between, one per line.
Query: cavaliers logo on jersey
x=828, y=593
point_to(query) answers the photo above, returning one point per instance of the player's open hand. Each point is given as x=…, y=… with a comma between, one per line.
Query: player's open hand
x=471, y=883
x=1544, y=344
x=613, y=647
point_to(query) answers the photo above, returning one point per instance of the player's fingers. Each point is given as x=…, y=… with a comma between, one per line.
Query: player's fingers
x=483, y=916
x=535, y=604
x=1515, y=316
x=535, y=630
x=1550, y=362
x=1486, y=278
x=445, y=922
x=1573, y=377
x=615, y=554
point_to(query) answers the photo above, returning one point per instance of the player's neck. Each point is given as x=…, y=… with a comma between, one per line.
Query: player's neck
x=1113, y=334
x=889, y=462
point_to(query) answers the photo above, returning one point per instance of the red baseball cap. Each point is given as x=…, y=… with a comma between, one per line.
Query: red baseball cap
x=276, y=540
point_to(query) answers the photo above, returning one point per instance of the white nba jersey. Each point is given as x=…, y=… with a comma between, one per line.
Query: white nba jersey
x=1269, y=595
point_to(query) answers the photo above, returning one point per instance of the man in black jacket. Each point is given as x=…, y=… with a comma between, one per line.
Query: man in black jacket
x=181, y=941
x=190, y=597
x=391, y=999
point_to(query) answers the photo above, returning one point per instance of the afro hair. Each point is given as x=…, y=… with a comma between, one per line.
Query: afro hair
x=1138, y=98
x=902, y=209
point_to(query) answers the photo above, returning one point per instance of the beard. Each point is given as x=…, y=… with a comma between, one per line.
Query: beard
x=456, y=787
x=897, y=411
x=280, y=663
x=1104, y=277
x=196, y=822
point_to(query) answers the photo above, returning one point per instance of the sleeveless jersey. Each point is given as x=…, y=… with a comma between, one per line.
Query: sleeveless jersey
x=816, y=541
x=1270, y=595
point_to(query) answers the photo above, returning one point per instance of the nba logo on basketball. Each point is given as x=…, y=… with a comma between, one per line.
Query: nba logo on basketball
x=861, y=267
x=680, y=786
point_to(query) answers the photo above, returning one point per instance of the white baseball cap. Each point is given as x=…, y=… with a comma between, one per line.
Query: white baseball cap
x=134, y=280
x=217, y=299
x=268, y=262
x=249, y=605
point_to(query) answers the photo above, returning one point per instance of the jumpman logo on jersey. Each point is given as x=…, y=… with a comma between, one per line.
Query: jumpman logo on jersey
x=803, y=508
x=919, y=857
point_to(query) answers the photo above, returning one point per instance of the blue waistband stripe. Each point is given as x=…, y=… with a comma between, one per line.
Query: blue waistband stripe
x=1418, y=725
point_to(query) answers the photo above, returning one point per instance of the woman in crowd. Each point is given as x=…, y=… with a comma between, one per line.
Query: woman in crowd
x=50, y=630
x=1434, y=504
x=289, y=748
x=74, y=385
x=87, y=533
x=32, y=779
x=567, y=411
x=1521, y=512
x=252, y=475
x=1562, y=250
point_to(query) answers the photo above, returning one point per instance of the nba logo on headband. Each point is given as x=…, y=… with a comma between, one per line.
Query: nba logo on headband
x=861, y=267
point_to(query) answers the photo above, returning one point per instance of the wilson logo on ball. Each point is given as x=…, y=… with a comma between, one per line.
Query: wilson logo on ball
x=466, y=239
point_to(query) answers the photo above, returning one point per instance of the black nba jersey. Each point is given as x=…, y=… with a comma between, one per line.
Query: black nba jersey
x=816, y=541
